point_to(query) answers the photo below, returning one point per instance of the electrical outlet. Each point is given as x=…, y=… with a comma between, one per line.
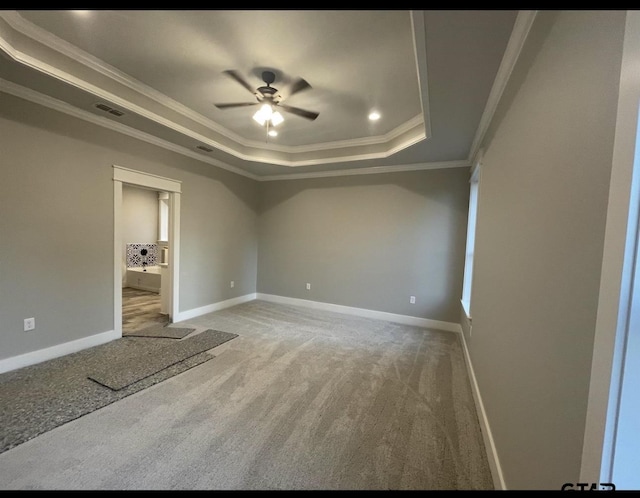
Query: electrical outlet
x=308, y=286
x=232, y=284
x=412, y=300
x=29, y=324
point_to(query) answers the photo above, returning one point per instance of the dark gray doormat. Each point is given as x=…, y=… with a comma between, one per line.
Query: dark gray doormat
x=41, y=397
x=160, y=331
x=123, y=373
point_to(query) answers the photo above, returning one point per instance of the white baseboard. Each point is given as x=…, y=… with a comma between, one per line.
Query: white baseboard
x=379, y=315
x=489, y=444
x=203, y=310
x=24, y=360
x=41, y=355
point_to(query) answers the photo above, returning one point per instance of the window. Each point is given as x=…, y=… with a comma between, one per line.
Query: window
x=471, y=236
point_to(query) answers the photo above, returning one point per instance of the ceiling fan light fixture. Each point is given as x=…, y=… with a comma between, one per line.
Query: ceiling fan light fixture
x=263, y=114
x=276, y=118
x=259, y=118
x=266, y=114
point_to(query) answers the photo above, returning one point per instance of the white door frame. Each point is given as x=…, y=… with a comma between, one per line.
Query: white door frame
x=173, y=187
x=621, y=234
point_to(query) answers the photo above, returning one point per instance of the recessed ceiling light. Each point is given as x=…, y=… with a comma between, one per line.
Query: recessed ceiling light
x=81, y=12
x=273, y=133
x=374, y=116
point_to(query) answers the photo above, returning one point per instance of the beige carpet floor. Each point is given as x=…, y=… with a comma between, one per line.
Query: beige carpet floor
x=301, y=399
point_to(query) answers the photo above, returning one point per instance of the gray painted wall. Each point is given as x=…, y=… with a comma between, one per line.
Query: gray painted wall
x=56, y=248
x=139, y=215
x=539, y=241
x=367, y=241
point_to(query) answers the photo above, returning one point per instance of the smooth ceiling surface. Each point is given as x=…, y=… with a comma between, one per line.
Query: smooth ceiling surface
x=429, y=74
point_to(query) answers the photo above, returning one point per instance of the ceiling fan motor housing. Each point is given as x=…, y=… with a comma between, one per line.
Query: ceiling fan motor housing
x=268, y=92
x=268, y=77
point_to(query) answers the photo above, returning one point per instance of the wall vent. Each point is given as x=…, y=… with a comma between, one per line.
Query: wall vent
x=206, y=149
x=110, y=110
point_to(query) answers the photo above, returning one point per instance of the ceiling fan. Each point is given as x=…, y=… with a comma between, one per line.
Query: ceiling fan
x=269, y=95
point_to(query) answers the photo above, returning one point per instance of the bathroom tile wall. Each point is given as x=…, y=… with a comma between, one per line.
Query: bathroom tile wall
x=136, y=258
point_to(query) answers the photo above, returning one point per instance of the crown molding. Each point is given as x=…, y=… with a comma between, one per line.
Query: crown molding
x=42, y=36
x=420, y=50
x=58, y=105
x=519, y=35
x=370, y=171
x=39, y=35
x=54, y=72
x=405, y=128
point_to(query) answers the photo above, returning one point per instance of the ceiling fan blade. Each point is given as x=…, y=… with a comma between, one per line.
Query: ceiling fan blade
x=236, y=76
x=238, y=104
x=299, y=112
x=298, y=86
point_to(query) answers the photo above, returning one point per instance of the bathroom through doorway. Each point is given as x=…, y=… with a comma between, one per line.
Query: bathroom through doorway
x=145, y=253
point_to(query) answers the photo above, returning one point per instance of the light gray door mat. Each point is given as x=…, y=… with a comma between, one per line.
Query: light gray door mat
x=160, y=330
x=54, y=392
x=123, y=373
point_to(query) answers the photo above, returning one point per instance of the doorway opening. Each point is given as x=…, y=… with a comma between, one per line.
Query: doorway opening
x=145, y=249
x=142, y=268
